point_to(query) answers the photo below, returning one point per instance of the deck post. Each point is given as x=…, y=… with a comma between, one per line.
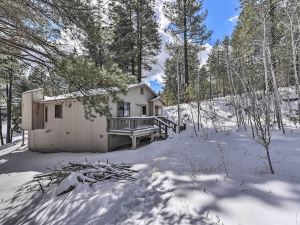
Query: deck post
x=166, y=132
x=23, y=137
x=133, y=142
x=152, y=137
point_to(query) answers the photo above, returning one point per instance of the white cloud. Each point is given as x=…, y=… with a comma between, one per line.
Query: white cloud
x=203, y=55
x=233, y=19
x=158, y=77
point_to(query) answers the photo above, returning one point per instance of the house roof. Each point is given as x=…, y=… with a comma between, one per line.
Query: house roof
x=34, y=90
x=144, y=85
x=159, y=99
x=73, y=95
x=97, y=91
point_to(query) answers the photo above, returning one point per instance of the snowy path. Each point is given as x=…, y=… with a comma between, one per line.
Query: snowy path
x=182, y=181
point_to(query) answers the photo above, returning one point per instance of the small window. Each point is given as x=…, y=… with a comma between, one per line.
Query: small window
x=144, y=110
x=142, y=91
x=46, y=114
x=58, y=111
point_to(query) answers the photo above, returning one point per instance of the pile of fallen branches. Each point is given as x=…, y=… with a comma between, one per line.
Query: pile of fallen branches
x=73, y=174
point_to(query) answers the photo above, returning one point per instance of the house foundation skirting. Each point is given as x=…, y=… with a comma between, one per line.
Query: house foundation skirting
x=134, y=135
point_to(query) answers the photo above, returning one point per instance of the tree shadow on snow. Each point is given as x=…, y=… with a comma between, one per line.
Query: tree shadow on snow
x=162, y=194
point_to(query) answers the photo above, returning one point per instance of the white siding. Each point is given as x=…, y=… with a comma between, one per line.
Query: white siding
x=72, y=133
x=27, y=111
x=157, y=103
x=136, y=100
x=30, y=119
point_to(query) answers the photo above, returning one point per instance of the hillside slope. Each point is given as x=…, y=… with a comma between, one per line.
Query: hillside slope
x=212, y=178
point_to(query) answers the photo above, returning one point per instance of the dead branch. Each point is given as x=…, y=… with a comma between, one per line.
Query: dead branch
x=85, y=173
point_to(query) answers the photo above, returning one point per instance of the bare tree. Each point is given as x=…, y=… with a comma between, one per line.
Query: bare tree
x=262, y=119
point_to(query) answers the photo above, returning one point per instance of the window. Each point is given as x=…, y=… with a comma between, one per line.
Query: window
x=144, y=110
x=46, y=114
x=142, y=91
x=123, y=109
x=58, y=111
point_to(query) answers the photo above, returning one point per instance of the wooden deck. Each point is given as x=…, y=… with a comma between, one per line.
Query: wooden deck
x=140, y=126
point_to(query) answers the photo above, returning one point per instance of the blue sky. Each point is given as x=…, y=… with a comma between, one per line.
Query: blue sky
x=221, y=19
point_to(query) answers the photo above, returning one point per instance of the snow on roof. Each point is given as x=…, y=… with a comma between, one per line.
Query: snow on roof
x=34, y=90
x=135, y=85
x=91, y=92
x=159, y=99
x=74, y=95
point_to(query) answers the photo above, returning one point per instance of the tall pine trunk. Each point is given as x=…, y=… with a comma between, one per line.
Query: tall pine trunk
x=1, y=134
x=140, y=44
x=186, y=62
x=198, y=102
x=9, y=106
x=132, y=46
x=265, y=57
x=210, y=87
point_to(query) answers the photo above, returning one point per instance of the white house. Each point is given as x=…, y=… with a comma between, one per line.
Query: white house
x=58, y=123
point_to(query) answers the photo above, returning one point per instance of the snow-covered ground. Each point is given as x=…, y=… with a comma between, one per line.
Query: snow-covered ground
x=182, y=180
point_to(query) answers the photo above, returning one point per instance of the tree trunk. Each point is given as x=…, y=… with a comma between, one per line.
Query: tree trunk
x=9, y=106
x=269, y=161
x=210, y=88
x=1, y=134
x=140, y=47
x=132, y=47
x=265, y=58
x=178, y=93
x=186, y=63
x=276, y=93
x=191, y=108
x=198, y=102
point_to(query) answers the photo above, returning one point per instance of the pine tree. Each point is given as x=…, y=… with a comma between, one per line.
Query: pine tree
x=33, y=41
x=171, y=79
x=217, y=70
x=123, y=46
x=136, y=38
x=11, y=72
x=187, y=24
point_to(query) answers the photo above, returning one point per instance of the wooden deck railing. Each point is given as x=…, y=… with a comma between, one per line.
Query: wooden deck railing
x=140, y=123
x=130, y=123
x=171, y=124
